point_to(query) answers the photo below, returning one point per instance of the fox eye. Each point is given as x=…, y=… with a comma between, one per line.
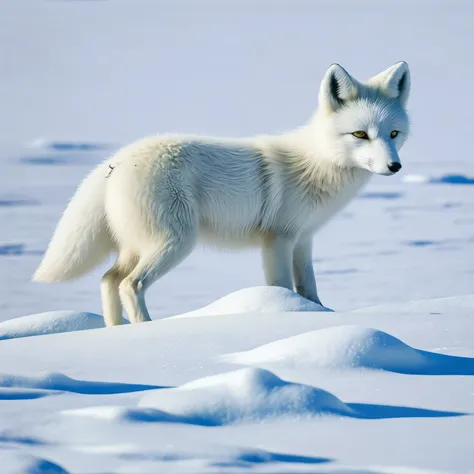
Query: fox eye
x=360, y=134
x=394, y=133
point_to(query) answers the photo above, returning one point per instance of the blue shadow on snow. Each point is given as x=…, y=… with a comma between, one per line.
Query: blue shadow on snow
x=382, y=412
x=245, y=458
x=380, y=195
x=17, y=249
x=18, y=202
x=361, y=411
x=443, y=364
x=453, y=179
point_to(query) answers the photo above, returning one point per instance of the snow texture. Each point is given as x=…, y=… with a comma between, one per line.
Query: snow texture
x=266, y=299
x=337, y=347
x=250, y=395
x=435, y=306
x=351, y=347
x=49, y=323
x=319, y=369
x=14, y=462
x=57, y=381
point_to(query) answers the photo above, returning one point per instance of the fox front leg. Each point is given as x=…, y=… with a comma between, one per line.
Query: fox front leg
x=303, y=272
x=277, y=254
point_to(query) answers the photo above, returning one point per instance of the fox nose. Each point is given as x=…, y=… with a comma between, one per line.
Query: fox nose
x=394, y=166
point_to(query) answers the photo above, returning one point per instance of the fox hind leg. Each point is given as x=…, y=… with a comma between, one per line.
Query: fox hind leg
x=175, y=241
x=109, y=287
x=150, y=268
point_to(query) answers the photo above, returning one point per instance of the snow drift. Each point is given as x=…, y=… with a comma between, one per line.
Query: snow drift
x=50, y=322
x=257, y=299
x=244, y=395
x=20, y=462
x=53, y=382
x=335, y=347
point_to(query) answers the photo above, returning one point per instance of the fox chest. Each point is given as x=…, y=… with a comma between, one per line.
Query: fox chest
x=307, y=214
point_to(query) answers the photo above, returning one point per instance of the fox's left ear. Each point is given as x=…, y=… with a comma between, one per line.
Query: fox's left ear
x=394, y=82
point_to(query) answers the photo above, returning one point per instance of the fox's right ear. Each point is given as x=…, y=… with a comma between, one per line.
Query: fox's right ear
x=337, y=87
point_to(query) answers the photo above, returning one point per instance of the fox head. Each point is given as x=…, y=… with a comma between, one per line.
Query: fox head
x=364, y=125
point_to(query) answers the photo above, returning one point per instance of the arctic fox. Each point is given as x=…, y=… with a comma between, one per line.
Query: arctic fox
x=156, y=198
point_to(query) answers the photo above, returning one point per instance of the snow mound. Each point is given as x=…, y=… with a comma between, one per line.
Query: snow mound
x=14, y=393
x=248, y=394
x=19, y=462
x=257, y=299
x=335, y=347
x=50, y=322
x=58, y=381
x=52, y=381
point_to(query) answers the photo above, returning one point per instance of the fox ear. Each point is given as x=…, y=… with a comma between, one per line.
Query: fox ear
x=337, y=87
x=394, y=82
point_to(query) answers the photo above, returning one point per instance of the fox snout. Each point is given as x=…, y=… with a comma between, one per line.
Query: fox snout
x=387, y=167
x=379, y=158
x=385, y=158
x=394, y=166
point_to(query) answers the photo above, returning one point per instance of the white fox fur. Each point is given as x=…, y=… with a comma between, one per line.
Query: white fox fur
x=156, y=198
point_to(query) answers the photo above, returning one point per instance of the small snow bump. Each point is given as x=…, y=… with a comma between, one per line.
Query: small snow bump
x=245, y=395
x=14, y=393
x=60, y=382
x=335, y=347
x=49, y=323
x=19, y=462
x=258, y=299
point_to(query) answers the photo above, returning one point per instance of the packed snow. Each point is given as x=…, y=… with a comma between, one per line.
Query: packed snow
x=49, y=323
x=263, y=380
x=57, y=381
x=391, y=387
x=254, y=300
x=17, y=462
x=349, y=347
x=246, y=395
x=336, y=347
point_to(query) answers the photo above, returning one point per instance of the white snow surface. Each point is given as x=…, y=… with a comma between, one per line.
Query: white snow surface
x=246, y=395
x=324, y=392
x=336, y=347
x=464, y=303
x=254, y=300
x=266, y=381
x=15, y=462
x=49, y=323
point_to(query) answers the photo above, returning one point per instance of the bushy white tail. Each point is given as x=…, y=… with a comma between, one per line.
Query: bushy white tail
x=81, y=239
